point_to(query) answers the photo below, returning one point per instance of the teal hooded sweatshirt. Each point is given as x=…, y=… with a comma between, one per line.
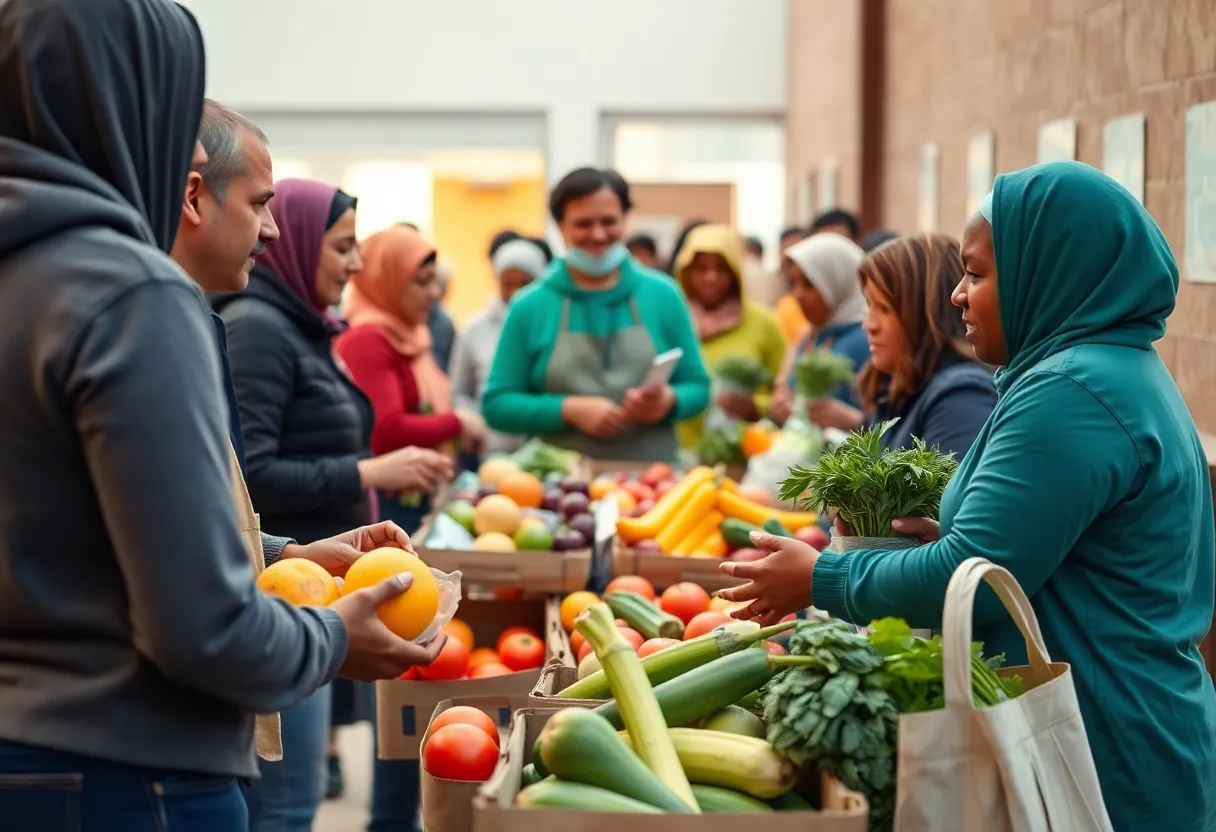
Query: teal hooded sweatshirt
x=515, y=399
x=1089, y=484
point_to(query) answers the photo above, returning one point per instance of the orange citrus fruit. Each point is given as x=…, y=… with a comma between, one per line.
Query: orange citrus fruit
x=300, y=582
x=525, y=489
x=601, y=487
x=757, y=439
x=460, y=631
x=573, y=604
x=410, y=613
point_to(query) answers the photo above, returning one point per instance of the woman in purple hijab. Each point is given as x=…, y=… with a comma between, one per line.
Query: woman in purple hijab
x=307, y=431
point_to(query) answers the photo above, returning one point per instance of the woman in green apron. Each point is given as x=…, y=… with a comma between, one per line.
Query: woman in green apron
x=577, y=345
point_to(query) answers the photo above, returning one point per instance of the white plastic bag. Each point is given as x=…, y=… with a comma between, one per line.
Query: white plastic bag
x=799, y=444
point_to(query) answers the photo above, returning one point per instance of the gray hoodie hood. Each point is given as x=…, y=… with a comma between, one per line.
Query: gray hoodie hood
x=75, y=143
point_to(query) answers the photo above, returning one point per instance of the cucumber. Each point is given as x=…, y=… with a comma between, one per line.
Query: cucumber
x=735, y=720
x=529, y=776
x=744, y=764
x=775, y=527
x=754, y=701
x=580, y=747
x=737, y=533
x=560, y=794
x=717, y=800
x=681, y=658
x=791, y=801
x=644, y=616
x=707, y=689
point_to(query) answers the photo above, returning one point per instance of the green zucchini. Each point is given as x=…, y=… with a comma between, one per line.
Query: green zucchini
x=537, y=762
x=644, y=616
x=716, y=800
x=681, y=658
x=711, y=687
x=774, y=527
x=560, y=794
x=791, y=801
x=737, y=533
x=529, y=776
x=735, y=720
x=580, y=747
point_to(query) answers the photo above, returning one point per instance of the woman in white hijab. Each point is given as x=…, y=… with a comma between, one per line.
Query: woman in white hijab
x=823, y=271
x=516, y=264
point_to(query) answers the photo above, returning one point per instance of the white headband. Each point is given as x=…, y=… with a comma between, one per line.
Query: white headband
x=524, y=255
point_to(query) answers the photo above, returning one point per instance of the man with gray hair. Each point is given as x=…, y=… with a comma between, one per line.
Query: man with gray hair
x=225, y=219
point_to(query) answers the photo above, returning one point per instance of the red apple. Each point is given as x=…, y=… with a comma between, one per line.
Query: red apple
x=814, y=536
x=746, y=555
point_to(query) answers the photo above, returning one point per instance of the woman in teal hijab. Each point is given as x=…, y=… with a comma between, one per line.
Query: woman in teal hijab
x=1088, y=483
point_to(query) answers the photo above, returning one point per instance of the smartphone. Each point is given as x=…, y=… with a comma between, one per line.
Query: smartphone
x=661, y=368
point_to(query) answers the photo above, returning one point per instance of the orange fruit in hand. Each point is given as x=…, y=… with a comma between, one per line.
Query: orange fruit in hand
x=411, y=612
x=300, y=582
x=460, y=631
x=523, y=488
x=573, y=604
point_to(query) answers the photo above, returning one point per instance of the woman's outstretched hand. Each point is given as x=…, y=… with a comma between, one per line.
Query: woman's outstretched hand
x=777, y=585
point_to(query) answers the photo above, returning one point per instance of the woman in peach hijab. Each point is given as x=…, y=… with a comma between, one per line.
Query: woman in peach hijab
x=387, y=352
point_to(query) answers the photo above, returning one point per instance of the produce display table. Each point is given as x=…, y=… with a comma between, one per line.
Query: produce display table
x=667, y=570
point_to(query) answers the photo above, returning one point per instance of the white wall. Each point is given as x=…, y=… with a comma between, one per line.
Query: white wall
x=571, y=61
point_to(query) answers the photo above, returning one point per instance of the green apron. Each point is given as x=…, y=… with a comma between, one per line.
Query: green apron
x=587, y=365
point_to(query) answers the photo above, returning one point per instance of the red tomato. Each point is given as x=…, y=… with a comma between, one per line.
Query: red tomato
x=640, y=493
x=577, y=641
x=685, y=601
x=465, y=715
x=656, y=473
x=774, y=648
x=510, y=631
x=632, y=583
x=412, y=673
x=704, y=622
x=488, y=669
x=451, y=663
x=522, y=651
x=460, y=752
x=663, y=487
x=508, y=593
x=483, y=655
x=584, y=651
x=633, y=637
x=654, y=645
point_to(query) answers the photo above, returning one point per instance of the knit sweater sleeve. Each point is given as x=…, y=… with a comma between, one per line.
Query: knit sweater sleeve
x=377, y=368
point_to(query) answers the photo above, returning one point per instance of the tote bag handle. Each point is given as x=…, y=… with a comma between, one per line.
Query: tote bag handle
x=956, y=626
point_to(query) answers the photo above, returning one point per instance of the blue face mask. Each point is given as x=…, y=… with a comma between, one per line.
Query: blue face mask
x=600, y=265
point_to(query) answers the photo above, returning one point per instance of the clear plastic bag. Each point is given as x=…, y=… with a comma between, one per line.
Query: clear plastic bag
x=449, y=601
x=799, y=444
x=446, y=533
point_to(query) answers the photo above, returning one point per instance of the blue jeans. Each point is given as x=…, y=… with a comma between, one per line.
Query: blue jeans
x=395, y=789
x=289, y=792
x=52, y=791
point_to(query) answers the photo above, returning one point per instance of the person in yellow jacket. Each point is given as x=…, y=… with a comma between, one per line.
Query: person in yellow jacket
x=710, y=268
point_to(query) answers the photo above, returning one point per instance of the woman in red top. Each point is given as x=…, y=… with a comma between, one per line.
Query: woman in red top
x=387, y=352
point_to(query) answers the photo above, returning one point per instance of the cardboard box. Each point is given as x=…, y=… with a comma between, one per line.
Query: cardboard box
x=531, y=571
x=554, y=677
x=666, y=570
x=494, y=810
x=447, y=805
x=404, y=708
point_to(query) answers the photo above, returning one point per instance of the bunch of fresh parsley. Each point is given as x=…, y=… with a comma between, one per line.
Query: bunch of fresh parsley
x=869, y=485
x=818, y=372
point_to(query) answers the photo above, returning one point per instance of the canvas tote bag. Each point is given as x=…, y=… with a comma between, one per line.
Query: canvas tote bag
x=1021, y=766
x=267, y=736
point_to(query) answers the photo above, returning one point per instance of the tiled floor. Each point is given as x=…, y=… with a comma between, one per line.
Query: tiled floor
x=350, y=813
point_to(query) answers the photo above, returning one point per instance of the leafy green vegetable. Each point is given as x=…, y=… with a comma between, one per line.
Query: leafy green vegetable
x=841, y=711
x=869, y=485
x=818, y=372
x=541, y=459
x=744, y=372
x=722, y=446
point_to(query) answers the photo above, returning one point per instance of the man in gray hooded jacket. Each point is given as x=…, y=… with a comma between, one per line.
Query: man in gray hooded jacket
x=134, y=646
